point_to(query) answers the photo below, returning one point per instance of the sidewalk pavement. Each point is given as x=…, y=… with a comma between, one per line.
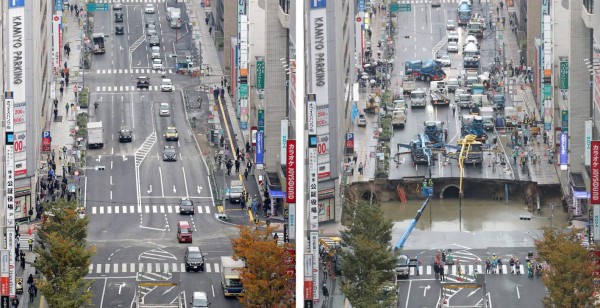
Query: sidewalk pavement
x=542, y=172
x=60, y=131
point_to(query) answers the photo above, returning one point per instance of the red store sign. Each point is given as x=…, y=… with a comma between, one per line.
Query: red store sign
x=290, y=178
x=595, y=168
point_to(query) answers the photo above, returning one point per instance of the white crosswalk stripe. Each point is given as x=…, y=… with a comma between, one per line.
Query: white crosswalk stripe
x=135, y=71
x=146, y=268
x=125, y=89
x=146, y=209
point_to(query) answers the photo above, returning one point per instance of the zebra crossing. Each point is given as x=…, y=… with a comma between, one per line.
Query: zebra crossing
x=146, y=268
x=145, y=209
x=136, y=71
x=125, y=88
x=466, y=270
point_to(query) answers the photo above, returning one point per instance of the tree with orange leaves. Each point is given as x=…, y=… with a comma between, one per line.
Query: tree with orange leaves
x=266, y=277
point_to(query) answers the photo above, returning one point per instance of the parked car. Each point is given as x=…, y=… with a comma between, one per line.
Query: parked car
x=450, y=25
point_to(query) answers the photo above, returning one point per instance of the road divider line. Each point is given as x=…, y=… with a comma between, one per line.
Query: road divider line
x=187, y=194
x=162, y=188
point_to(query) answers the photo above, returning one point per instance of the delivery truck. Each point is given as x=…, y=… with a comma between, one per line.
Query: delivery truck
x=95, y=135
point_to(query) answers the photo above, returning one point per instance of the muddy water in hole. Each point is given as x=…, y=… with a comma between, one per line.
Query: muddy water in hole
x=477, y=215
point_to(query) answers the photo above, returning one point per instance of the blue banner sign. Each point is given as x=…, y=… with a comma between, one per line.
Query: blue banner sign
x=318, y=4
x=260, y=153
x=361, y=5
x=16, y=3
x=59, y=5
x=564, y=148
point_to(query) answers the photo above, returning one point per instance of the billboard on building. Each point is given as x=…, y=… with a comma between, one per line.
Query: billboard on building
x=284, y=137
x=260, y=150
x=588, y=142
x=564, y=150
x=595, y=172
x=20, y=142
x=56, y=44
x=319, y=82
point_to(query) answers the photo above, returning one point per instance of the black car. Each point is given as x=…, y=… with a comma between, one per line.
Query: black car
x=119, y=30
x=125, y=135
x=143, y=82
x=119, y=17
x=194, y=259
x=186, y=206
x=154, y=41
x=169, y=153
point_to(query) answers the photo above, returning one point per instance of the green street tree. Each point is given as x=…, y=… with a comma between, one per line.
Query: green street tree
x=266, y=280
x=569, y=274
x=368, y=262
x=64, y=258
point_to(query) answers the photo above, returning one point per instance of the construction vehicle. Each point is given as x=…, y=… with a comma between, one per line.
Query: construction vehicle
x=471, y=152
x=399, y=117
x=230, y=276
x=464, y=100
x=434, y=130
x=425, y=70
x=418, y=98
x=471, y=56
x=439, y=98
x=475, y=28
x=471, y=77
x=473, y=125
x=98, y=41
x=373, y=103
x=408, y=84
x=464, y=13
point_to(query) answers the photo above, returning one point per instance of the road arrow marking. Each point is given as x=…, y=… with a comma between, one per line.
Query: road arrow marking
x=120, y=47
x=473, y=292
x=100, y=98
x=139, y=63
x=150, y=190
x=174, y=190
x=121, y=286
x=168, y=290
x=121, y=98
x=518, y=294
x=199, y=189
x=99, y=158
x=425, y=290
x=124, y=157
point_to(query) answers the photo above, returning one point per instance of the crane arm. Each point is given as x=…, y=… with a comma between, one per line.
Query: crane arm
x=411, y=226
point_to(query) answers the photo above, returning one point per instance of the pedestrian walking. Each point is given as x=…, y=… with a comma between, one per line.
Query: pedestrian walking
x=442, y=270
x=67, y=107
x=511, y=262
x=206, y=21
x=222, y=93
x=72, y=107
x=64, y=149
x=246, y=174
x=325, y=290
x=210, y=31
x=436, y=270
x=71, y=8
x=30, y=279
x=35, y=287
x=453, y=110
x=249, y=166
x=518, y=267
x=67, y=80
x=30, y=294
x=237, y=166
x=23, y=263
x=360, y=168
x=30, y=240
x=61, y=91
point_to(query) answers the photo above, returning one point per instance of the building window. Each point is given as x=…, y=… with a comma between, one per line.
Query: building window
x=589, y=6
x=285, y=6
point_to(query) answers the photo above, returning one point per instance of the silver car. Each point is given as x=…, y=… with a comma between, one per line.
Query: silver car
x=164, y=110
x=402, y=269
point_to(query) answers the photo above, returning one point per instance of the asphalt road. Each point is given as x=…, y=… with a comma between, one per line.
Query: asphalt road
x=419, y=34
x=132, y=202
x=503, y=290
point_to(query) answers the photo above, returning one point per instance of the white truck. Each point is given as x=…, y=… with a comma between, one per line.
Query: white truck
x=95, y=135
x=489, y=119
x=230, y=276
x=236, y=191
x=399, y=117
x=418, y=98
x=174, y=17
x=408, y=84
x=511, y=117
x=98, y=41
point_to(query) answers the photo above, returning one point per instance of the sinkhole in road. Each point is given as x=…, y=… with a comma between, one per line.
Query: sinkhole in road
x=478, y=214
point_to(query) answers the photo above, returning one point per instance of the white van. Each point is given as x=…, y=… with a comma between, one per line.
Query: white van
x=155, y=52
x=199, y=300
